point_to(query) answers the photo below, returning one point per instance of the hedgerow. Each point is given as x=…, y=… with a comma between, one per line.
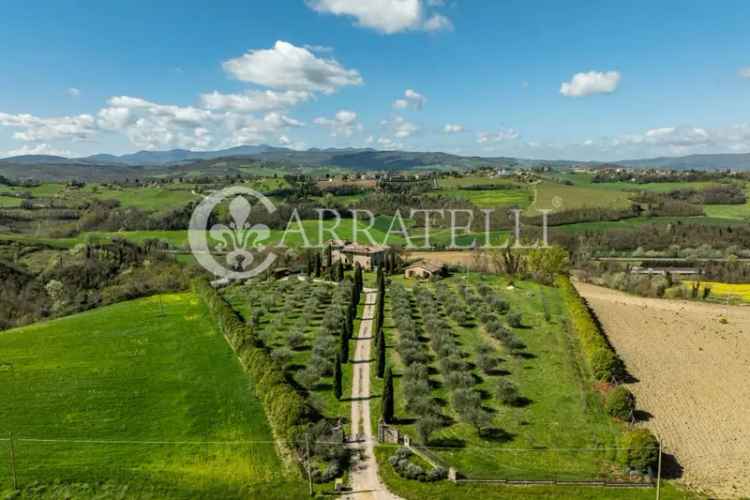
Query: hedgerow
x=286, y=410
x=603, y=362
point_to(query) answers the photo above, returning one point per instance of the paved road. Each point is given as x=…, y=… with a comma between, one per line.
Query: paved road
x=365, y=481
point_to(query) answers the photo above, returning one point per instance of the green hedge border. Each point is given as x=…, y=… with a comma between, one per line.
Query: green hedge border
x=602, y=360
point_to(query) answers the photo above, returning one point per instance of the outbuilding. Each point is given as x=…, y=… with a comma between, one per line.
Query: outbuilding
x=424, y=270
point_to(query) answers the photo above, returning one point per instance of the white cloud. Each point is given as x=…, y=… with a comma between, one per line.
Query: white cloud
x=437, y=22
x=501, y=135
x=593, y=82
x=388, y=143
x=411, y=98
x=320, y=49
x=73, y=92
x=344, y=123
x=672, y=141
x=254, y=100
x=386, y=16
x=151, y=125
x=286, y=66
x=453, y=128
x=36, y=149
x=400, y=127
x=400, y=104
x=417, y=99
x=33, y=128
x=744, y=72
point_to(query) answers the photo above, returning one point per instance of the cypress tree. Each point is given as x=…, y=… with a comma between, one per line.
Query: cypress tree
x=388, y=397
x=344, y=352
x=329, y=257
x=381, y=353
x=337, y=379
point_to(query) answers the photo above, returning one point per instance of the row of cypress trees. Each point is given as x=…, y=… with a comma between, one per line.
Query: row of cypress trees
x=378, y=321
x=347, y=331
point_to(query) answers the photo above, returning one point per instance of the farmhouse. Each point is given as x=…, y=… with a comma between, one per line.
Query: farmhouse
x=367, y=256
x=424, y=270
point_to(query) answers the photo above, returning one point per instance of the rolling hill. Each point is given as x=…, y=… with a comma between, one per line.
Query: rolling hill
x=247, y=159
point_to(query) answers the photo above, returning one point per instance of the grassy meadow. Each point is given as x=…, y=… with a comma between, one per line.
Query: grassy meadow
x=557, y=197
x=144, y=393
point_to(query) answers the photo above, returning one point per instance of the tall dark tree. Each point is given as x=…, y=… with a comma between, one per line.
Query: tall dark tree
x=308, y=264
x=329, y=256
x=344, y=351
x=337, y=379
x=317, y=265
x=358, y=282
x=339, y=273
x=388, y=405
x=381, y=353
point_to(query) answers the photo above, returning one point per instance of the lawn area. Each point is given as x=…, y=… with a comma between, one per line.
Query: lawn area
x=557, y=197
x=516, y=197
x=557, y=430
x=585, y=180
x=444, y=490
x=143, y=394
x=635, y=222
x=10, y=201
x=741, y=212
x=156, y=199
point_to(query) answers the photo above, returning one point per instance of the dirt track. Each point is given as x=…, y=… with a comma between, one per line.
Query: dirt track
x=693, y=377
x=366, y=484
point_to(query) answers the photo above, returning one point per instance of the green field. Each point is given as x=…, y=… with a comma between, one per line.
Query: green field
x=156, y=199
x=562, y=433
x=414, y=490
x=143, y=394
x=635, y=222
x=557, y=197
x=585, y=180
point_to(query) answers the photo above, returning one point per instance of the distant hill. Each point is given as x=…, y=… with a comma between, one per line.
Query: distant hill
x=106, y=167
x=264, y=159
x=732, y=161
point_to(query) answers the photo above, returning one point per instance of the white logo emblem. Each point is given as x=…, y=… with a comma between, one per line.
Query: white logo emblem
x=239, y=241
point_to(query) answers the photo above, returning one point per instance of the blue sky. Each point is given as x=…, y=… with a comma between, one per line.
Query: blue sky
x=577, y=80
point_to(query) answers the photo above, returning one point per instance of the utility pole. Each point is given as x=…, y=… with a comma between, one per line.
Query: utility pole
x=13, y=462
x=658, y=473
x=307, y=462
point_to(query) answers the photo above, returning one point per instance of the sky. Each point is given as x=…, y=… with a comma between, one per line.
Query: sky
x=578, y=80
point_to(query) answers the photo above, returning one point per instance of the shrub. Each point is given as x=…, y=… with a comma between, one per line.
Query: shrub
x=601, y=358
x=507, y=393
x=639, y=450
x=281, y=356
x=514, y=320
x=426, y=425
x=620, y=403
x=409, y=470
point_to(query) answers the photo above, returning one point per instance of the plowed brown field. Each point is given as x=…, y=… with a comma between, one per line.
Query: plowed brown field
x=692, y=365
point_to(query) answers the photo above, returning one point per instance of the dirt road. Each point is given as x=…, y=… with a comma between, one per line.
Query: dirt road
x=366, y=484
x=691, y=361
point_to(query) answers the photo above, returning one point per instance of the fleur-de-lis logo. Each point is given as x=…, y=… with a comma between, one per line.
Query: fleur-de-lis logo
x=240, y=235
x=239, y=242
